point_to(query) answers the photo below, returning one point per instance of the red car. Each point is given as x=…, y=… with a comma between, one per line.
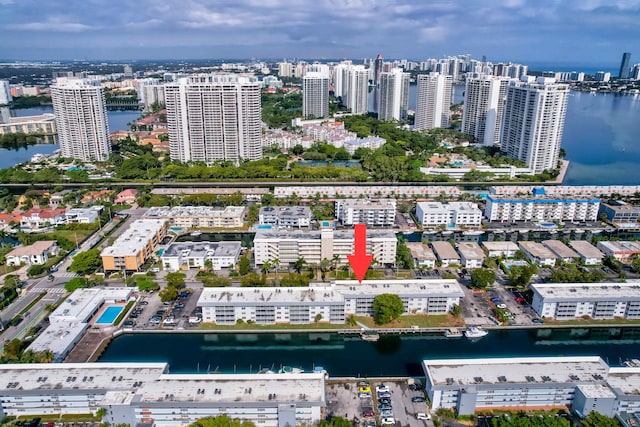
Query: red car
x=368, y=413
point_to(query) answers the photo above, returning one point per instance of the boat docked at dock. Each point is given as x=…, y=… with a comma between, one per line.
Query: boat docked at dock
x=453, y=333
x=475, y=332
x=370, y=335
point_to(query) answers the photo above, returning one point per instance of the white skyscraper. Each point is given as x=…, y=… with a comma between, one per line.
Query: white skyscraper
x=214, y=117
x=484, y=99
x=285, y=69
x=434, y=101
x=5, y=92
x=315, y=91
x=534, y=121
x=351, y=84
x=394, y=95
x=81, y=119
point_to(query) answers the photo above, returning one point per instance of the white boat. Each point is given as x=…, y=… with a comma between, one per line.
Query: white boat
x=195, y=234
x=472, y=233
x=290, y=370
x=38, y=158
x=475, y=332
x=453, y=333
x=370, y=336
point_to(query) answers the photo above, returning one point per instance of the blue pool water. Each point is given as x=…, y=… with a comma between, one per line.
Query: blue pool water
x=109, y=315
x=160, y=251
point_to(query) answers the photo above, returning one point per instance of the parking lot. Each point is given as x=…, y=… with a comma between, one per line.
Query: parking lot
x=151, y=313
x=390, y=403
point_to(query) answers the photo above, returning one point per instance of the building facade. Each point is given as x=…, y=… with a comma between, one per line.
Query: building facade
x=394, y=95
x=620, y=213
x=433, y=101
x=351, y=84
x=533, y=121
x=315, y=92
x=380, y=212
x=324, y=303
x=285, y=216
x=316, y=245
x=186, y=255
x=563, y=301
x=44, y=124
x=199, y=216
x=214, y=117
x=484, y=99
x=452, y=214
x=540, y=208
x=133, y=247
x=81, y=119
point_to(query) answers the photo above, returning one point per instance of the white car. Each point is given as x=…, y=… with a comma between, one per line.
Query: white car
x=388, y=421
x=502, y=306
x=382, y=388
x=423, y=416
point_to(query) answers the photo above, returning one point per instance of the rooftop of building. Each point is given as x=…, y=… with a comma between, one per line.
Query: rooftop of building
x=596, y=391
x=134, y=238
x=501, y=246
x=432, y=206
x=620, y=245
x=445, y=250
x=620, y=206
x=280, y=234
x=420, y=251
x=58, y=337
x=560, y=249
x=47, y=376
x=286, y=211
x=625, y=379
x=367, y=203
x=193, y=211
x=203, y=249
x=79, y=306
x=35, y=248
x=28, y=119
x=586, y=249
x=525, y=370
x=408, y=287
x=537, y=250
x=470, y=250
x=588, y=291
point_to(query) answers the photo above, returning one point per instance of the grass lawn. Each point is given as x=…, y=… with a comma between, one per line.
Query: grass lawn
x=71, y=234
x=5, y=269
x=421, y=320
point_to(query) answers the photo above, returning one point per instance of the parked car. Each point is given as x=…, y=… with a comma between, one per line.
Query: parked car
x=418, y=399
x=423, y=416
x=368, y=413
x=384, y=400
x=382, y=388
x=388, y=421
x=537, y=320
x=364, y=395
x=386, y=413
x=501, y=306
x=383, y=406
x=364, y=389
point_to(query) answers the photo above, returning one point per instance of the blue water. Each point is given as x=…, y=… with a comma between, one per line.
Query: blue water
x=10, y=158
x=109, y=315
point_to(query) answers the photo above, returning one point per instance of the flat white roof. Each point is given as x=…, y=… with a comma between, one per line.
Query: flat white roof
x=587, y=291
x=82, y=303
x=444, y=250
x=234, y=388
x=367, y=203
x=537, y=250
x=470, y=250
x=560, y=249
x=420, y=251
x=405, y=287
x=596, y=391
x=625, y=379
x=194, y=211
x=48, y=376
x=134, y=238
x=586, y=249
x=59, y=337
x=456, y=372
x=500, y=246
x=622, y=246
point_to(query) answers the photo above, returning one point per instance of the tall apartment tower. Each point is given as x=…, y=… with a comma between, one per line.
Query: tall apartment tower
x=5, y=92
x=534, y=121
x=285, y=69
x=394, y=95
x=484, y=99
x=377, y=69
x=624, y=66
x=315, y=91
x=434, y=101
x=351, y=84
x=214, y=117
x=81, y=119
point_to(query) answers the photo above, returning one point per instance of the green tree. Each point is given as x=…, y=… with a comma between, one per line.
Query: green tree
x=214, y=281
x=335, y=422
x=253, y=280
x=482, y=277
x=145, y=284
x=299, y=264
x=169, y=293
x=520, y=276
x=456, y=310
x=294, y=279
x=221, y=421
x=176, y=279
x=76, y=283
x=86, y=262
x=596, y=419
x=244, y=264
x=387, y=307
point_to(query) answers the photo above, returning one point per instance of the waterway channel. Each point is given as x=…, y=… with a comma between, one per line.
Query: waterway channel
x=391, y=355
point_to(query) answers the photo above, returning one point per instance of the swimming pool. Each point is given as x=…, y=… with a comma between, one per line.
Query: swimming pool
x=109, y=315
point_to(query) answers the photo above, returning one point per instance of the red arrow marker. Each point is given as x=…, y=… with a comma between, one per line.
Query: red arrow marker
x=360, y=261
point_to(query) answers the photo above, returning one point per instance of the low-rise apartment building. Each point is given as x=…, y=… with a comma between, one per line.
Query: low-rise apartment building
x=507, y=249
x=589, y=254
x=471, y=254
x=186, y=255
x=565, y=301
x=620, y=213
x=199, y=216
x=44, y=124
x=423, y=256
x=582, y=383
x=538, y=253
x=452, y=214
x=134, y=246
x=147, y=393
x=621, y=250
x=537, y=207
x=446, y=254
x=315, y=245
x=373, y=212
x=285, y=216
x=330, y=303
x=83, y=215
x=562, y=251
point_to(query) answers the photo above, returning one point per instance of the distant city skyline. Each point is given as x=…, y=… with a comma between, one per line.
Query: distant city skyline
x=580, y=32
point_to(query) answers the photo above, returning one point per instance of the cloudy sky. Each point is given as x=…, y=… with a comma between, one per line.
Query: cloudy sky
x=545, y=31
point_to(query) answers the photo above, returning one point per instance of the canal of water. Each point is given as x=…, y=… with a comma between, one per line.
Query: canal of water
x=391, y=355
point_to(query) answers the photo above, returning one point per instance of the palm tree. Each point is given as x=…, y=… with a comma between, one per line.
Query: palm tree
x=265, y=267
x=324, y=265
x=300, y=262
x=334, y=262
x=275, y=263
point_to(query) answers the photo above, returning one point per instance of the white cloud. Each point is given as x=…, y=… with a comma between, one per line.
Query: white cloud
x=54, y=25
